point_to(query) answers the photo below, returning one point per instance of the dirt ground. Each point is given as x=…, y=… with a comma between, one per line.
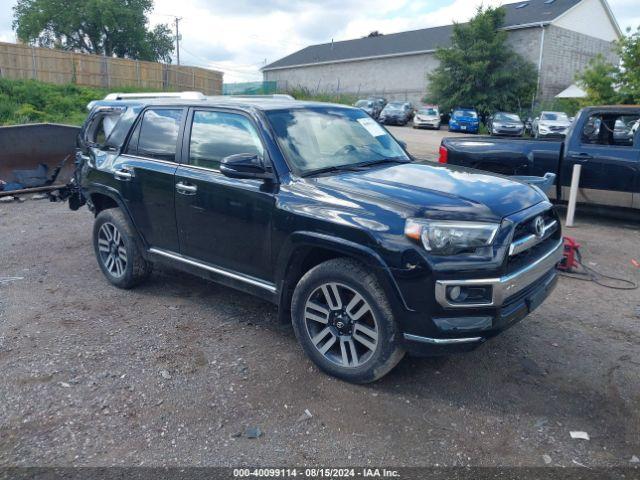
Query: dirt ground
x=176, y=371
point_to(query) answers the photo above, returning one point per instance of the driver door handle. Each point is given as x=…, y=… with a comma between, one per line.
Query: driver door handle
x=186, y=189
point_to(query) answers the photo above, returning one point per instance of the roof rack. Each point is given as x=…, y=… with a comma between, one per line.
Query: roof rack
x=182, y=95
x=284, y=96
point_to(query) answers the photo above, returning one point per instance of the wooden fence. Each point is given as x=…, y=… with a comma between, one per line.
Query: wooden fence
x=57, y=66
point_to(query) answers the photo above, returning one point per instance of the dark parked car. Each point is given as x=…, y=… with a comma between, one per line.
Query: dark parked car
x=604, y=140
x=396, y=113
x=464, y=119
x=318, y=209
x=370, y=106
x=503, y=123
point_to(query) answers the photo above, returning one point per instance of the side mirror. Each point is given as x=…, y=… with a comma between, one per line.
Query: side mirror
x=245, y=165
x=403, y=144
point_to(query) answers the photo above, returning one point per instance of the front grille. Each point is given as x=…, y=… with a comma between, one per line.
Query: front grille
x=524, y=229
x=557, y=129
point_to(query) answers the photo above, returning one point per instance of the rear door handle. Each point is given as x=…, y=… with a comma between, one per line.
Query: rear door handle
x=123, y=173
x=186, y=189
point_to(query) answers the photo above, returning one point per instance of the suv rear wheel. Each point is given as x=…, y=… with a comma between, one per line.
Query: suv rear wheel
x=342, y=319
x=117, y=250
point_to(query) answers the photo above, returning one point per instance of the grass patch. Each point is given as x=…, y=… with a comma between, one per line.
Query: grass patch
x=30, y=101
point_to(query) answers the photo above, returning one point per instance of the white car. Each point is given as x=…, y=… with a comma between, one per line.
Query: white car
x=551, y=124
x=427, y=116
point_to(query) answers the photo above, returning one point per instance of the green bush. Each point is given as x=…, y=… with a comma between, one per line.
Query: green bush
x=30, y=101
x=302, y=93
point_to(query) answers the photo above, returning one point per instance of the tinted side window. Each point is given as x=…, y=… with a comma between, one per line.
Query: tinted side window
x=215, y=135
x=159, y=134
x=610, y=129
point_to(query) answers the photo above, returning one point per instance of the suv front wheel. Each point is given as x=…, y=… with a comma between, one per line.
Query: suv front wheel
x=117, y=250
x=343, y=320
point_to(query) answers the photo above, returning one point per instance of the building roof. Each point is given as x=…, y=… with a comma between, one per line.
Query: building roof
x=572, y=91
x=522, y=14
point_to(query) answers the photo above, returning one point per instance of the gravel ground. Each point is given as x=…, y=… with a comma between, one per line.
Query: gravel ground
x=423, y=143
x=180, y=371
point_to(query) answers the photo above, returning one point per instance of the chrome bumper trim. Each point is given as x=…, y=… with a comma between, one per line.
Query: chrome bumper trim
x=256, y=282
x=525, y=243
x=503, y=287
x=440, y=341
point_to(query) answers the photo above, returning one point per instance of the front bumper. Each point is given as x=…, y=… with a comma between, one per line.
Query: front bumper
x=552, y=134
x=464, y=128
x=514, y=296
x=515, y=132
x=426, y=123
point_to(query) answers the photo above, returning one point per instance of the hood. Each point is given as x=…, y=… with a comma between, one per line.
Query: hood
x=428, y=117
x=437, y=191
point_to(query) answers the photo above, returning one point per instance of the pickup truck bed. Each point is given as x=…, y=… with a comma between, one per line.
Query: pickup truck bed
x=507, y=156
x=604, y=140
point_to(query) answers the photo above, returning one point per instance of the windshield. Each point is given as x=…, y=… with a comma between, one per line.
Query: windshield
x=325, y=137
x=506, y=117
x=428, y=111
x=553, y=116
x=465, y=113
x=364, y=104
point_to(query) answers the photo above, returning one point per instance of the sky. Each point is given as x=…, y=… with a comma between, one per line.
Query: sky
x=239, y=36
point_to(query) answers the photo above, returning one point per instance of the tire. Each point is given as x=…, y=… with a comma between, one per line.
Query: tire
x=358, y=350
x=117, y=250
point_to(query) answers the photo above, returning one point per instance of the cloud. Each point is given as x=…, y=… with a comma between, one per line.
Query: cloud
x=237, y=36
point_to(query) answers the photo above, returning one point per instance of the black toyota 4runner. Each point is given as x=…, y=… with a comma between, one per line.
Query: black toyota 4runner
x=318, y=209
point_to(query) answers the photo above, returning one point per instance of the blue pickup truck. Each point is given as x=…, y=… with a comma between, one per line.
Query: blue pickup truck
x=604, y=140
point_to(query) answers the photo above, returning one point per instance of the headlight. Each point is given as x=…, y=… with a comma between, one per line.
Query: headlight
x=450, y=238
x=453, y=122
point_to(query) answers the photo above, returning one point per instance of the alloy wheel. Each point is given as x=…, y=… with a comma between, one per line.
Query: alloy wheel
x=341, y=325
x=113, y=253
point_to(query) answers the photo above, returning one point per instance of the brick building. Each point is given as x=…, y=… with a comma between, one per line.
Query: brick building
x=558, y=36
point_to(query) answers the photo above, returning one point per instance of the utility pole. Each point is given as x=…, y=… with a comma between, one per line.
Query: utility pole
x=178, y=40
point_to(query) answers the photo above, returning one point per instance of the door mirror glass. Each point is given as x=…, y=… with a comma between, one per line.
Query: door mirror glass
x=245, y=165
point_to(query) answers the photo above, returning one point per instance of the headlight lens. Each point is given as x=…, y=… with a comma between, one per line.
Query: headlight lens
x=450, y=238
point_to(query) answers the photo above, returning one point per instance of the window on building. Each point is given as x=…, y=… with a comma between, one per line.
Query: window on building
x=216, y=135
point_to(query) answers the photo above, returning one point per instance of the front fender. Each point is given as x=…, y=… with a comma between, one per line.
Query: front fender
x=300, y=242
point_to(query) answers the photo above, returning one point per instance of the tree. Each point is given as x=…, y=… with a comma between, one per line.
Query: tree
x=606, y=83
x=598, y=80
x=375, y=33
x=479, y=69
x=103, y=27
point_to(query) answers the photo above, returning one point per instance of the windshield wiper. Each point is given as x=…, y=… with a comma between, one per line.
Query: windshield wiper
x=354, y=167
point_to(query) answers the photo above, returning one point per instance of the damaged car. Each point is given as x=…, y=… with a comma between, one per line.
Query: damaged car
x=320, y=210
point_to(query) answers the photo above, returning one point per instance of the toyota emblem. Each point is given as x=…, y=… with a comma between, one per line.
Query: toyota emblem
x=538, y=227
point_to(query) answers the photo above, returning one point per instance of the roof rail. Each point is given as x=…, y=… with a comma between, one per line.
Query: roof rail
x=131, y=96
x=274, y=95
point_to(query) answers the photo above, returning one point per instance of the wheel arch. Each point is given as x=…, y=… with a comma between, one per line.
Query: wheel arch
x=304, y=250
x=104, y=198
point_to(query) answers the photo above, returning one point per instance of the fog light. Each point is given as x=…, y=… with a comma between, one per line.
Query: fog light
x=454, y=293
x=480, y=294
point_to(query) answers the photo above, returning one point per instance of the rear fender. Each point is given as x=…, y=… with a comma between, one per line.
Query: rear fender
x=96, y=191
